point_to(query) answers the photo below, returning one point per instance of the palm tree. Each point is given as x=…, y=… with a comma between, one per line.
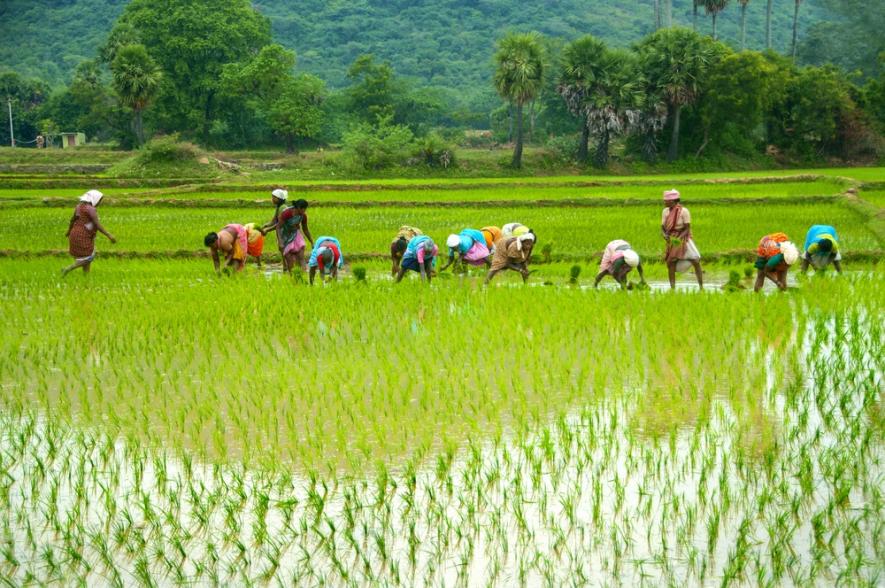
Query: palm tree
x=136, y=78
x=795, y=28
x=518, y=77
x=713, y=8
x=768, y=24
x=668, y=13
x=674, y=62
x=580, y=68
x=743, y=4
x=600, y=87
x=694, y=13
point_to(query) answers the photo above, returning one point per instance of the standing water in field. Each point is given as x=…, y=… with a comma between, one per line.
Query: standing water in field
x=605, y=440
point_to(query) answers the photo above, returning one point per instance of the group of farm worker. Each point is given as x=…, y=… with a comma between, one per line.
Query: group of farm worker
x=289, y=222
x=506, y=248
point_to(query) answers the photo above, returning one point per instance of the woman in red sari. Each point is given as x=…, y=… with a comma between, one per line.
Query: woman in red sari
x=82, y=230
x=676, y=230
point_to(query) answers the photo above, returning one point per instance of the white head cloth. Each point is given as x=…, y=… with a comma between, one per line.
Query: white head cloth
x=93, y=197
x=280, y=194
x=526, y=237
x=453, y=240
x=790, y=251
x=631, y=258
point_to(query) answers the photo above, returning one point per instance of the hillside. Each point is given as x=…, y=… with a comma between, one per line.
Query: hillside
x=439, y=42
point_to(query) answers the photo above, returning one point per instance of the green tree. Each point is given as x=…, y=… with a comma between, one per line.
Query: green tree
x=297, y=113
x=738, y=92
x=852, y=39
x=27, y=96
x=372, y=91
x=136, y=79
x=713, y=8
x=600, y=87
x=192, y=40
x=519, y=75
x=816, y=112
x=675, y=61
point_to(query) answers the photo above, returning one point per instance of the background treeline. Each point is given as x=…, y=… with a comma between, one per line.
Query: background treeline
x=210, y=71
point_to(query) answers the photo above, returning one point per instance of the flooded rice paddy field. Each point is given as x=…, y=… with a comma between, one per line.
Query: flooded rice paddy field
x=159, y=429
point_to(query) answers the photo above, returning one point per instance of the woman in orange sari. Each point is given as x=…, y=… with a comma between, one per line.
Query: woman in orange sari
x=676, y=230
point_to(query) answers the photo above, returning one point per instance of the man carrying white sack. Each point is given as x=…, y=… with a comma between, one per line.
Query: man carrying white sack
x=617, y=261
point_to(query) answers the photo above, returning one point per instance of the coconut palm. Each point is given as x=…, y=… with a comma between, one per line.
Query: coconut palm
x=743, y=4
x=713, y=8
x=136, y=79
x=795, y=28
x=674, y=62
x=601, y=87
x=518, y=77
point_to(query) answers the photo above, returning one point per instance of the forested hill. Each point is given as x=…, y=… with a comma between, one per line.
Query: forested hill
x=440, y=42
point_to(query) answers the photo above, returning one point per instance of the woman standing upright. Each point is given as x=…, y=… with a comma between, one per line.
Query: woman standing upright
x=676, y=230
x=81, y=232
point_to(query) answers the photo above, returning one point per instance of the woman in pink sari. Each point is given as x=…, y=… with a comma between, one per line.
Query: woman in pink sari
x=676, y=230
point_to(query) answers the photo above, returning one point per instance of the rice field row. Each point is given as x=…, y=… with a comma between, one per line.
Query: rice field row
x=571, y=232
x=158, y=428
x=778, y=190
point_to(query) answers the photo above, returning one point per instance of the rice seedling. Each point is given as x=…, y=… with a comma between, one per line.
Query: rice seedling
x=160, y=427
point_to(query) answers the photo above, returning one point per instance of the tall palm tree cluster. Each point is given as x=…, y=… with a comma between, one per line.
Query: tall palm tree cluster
x=611, y=92
x=663, y=19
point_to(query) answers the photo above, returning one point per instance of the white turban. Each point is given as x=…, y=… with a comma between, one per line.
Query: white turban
x=453, y=241
x=631, y=258
x=280, y=194
x=93, y=197
x=791, y=253
x=526, y=237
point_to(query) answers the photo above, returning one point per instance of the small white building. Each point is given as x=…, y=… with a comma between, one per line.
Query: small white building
x=72, y=139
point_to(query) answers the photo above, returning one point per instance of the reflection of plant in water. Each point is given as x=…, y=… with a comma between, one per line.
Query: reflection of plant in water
x=604, y=435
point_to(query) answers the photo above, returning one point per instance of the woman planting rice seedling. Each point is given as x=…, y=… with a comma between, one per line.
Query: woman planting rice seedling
x=278, y=197
x=420, y=256
x=233, y=241
x=514, y=230
x=81, y=232
x=776, y=255
x=512, y=253
x=821, y=248
x=471, y=247
x=617, y=261
x=326, y=256
x=255, y=241
x=492, y=235
x=681, y=251
x=291, y=228
x=399, y=244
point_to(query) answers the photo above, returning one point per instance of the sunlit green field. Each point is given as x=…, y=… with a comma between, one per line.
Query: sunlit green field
x=574, y=232
x=161, y=426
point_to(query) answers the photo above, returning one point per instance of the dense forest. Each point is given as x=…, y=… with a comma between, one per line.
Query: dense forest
x=388, y=78
x=445, y=43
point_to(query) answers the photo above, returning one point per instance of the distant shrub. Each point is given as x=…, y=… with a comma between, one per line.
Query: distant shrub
x=167, y=148
x=563, y=147
x=373, y=147
x=434, y=150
